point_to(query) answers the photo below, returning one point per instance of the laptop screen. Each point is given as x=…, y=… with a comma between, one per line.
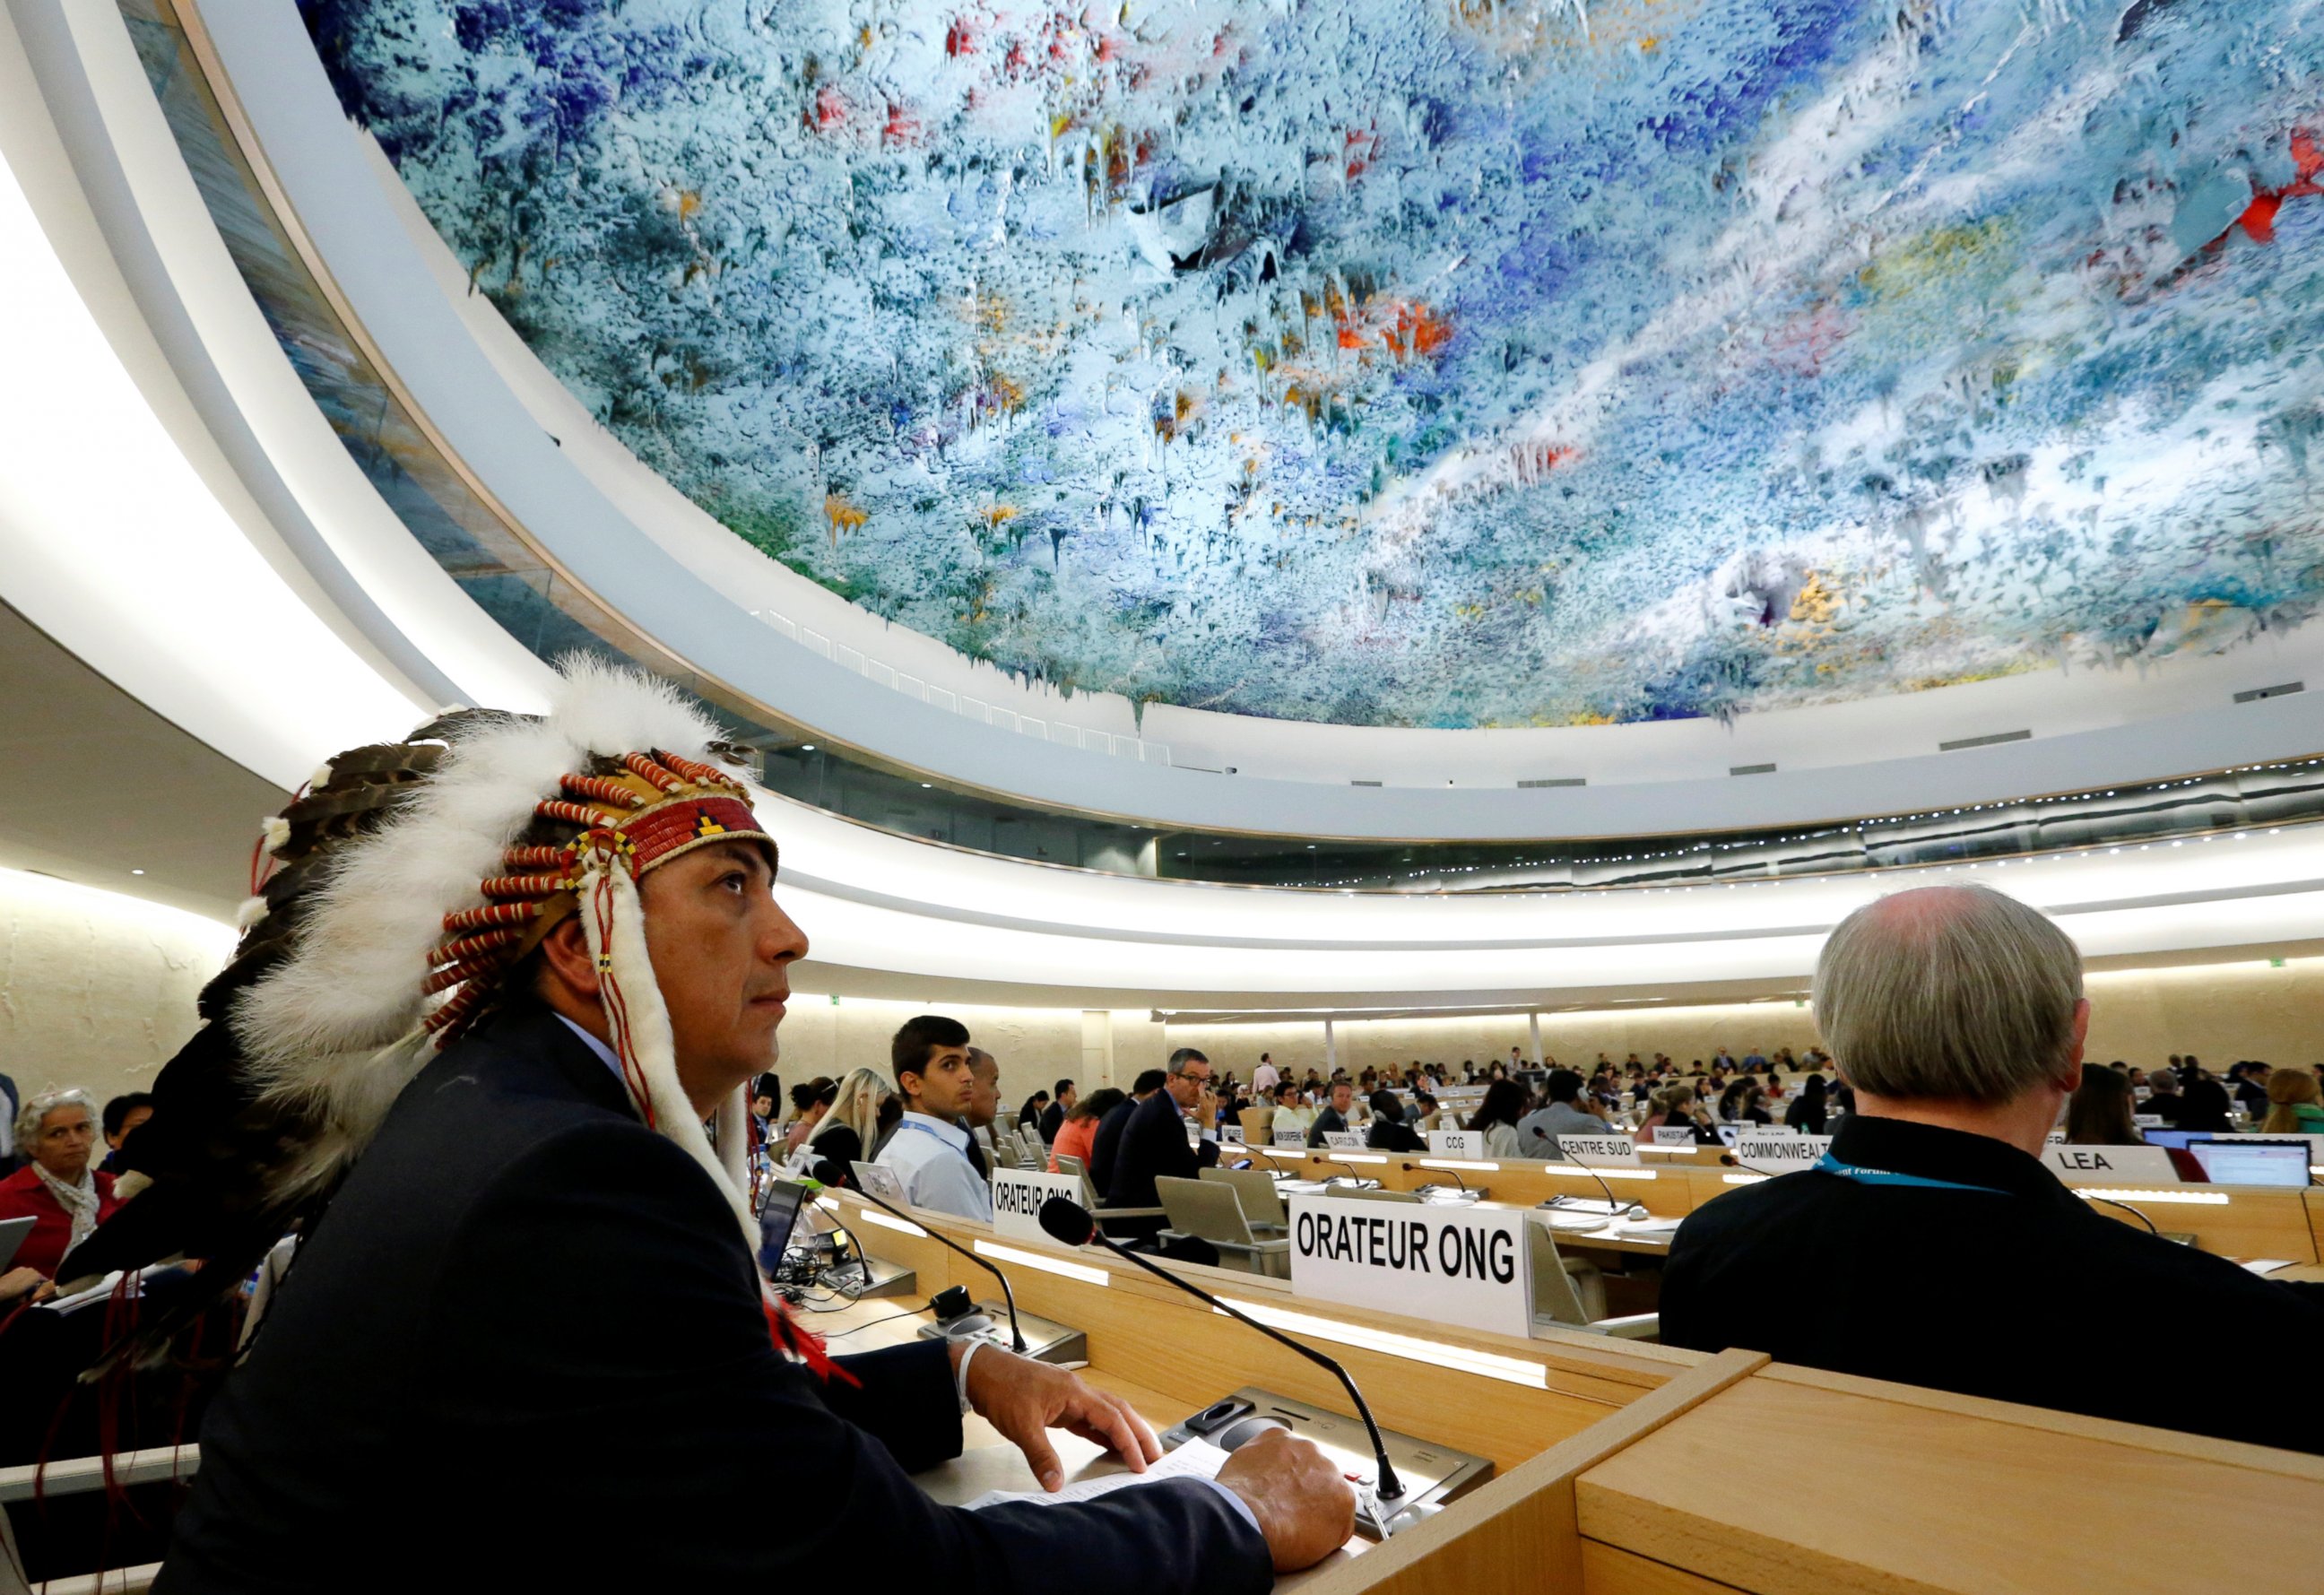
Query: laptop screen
x=2238, y=1162
x=1730, y=1133
x=2171, y=1139
x=777, y=1219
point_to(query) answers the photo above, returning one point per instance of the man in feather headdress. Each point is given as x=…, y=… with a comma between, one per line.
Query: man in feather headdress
x=495, y=981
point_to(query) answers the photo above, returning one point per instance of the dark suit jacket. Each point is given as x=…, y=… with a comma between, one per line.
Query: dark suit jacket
x=1106, y=1143
x=524, y=1349
x=1327, y=1121
x=2020, y=1290
x=1153, y=1144
x=1052, y=1120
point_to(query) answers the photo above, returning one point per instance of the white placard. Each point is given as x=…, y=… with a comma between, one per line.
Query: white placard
x=881, y=1181
x=1232, y=1132
x=1771, y=1130
x=1603, y=1151
x=1457, y=1143
x=2111, y=1165
x=1468, y=1264
x=2147, y=1120
x=1346, y=1140
x=1759, y=1152
x=1017, y=1197
x=1673, y=1134
x=1293, y=1137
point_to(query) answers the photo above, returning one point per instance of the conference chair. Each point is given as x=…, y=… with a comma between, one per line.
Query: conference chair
x=1069, y=1163
x=1105, y=1214
x=1570, y=1292
x=1208, y=1210
x=151, y=1477
x=1258, y=1126
x=1262, y=1205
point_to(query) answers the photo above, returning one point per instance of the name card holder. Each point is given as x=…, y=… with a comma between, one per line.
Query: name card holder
x=1345, y=1140
x=1457, y=1143
x=2112, y=1166
x=1602, y=1151
x=1294, y=1137
x=1470, y=1265
x=1018, y=1194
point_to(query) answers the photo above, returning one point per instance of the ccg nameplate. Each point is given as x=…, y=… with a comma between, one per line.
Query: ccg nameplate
x=1469, y=1266
x=1017, y=1197
x=1457, y=1143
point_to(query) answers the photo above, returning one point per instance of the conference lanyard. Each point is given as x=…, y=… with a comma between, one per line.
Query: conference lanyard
x=957, y=1151
x=1827, y=1164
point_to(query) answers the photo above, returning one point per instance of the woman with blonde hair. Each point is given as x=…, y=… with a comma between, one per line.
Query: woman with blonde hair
x=2293, y=1106
x=851, y=1126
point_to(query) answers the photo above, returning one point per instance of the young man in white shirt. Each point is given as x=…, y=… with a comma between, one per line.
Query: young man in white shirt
x=934, y=1157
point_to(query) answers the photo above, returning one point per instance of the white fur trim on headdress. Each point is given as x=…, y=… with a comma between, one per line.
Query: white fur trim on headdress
x=275, y=834
x=251, y=911
x=641, y=1030
x=332, y=1029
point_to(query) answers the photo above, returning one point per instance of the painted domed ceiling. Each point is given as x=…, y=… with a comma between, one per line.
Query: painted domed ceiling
x=1463, y=363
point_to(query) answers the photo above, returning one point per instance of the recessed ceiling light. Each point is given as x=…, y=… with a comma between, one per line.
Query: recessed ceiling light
x=136, y=871
x=806, y=747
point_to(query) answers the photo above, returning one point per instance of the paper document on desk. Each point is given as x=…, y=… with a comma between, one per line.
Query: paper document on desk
x=1196, y=1459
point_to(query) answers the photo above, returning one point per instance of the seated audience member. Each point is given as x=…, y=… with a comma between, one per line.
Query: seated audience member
x=1561, y=1114
x=821, y=1095
x=1029, y=1117
x=984, y=1106
x=1154, y=1138
x=2203, y=1108
x=2099, y=1113
x=2162, y=1099
x=2248, y=1083
x=1109, y=1129
x=1843, y=1104
x=2293, y=1105
x=1390, y=1132
x=1335, y=1117
x=850, y=1128
x=1077, y=1135
x=122, y=1114
x=1290, y=1112
x=1673, y=1108
x=1496, y=1116
x=1808, y=1110
x=65, y=1198
x=936, y=1161
x=1053, y=1116
x=1942, y=1251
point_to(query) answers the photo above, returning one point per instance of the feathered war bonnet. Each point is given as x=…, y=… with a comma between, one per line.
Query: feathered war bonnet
x=391, y=900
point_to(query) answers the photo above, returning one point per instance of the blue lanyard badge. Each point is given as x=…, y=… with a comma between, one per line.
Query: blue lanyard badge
x=1829, y=1164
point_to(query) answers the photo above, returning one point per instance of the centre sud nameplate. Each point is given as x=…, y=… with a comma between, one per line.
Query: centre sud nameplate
x=1017, y=1197
x=1459, y=1265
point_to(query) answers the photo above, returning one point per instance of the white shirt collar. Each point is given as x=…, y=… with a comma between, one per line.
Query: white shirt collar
x=606, y=1054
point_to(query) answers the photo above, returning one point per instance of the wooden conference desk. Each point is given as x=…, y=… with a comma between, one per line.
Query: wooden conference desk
x=2233, y=1221
x=1625, y=1469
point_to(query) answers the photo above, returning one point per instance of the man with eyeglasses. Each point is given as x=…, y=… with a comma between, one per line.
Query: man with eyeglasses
x=1154, y=1141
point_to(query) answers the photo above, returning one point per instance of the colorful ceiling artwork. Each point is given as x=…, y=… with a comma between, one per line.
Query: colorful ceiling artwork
x=1452, y=363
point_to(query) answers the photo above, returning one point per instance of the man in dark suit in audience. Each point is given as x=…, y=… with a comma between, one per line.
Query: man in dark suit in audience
x=1333, y=1115
x=1053, y=1116
x=1154, y=1139
x=1108, y=1140
x=1932, y=1245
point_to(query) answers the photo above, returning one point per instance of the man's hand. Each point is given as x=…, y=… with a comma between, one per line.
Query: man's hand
x=1206, y=1110
x=1024, y=1399
x=21, y=1282
x=1304, y=1504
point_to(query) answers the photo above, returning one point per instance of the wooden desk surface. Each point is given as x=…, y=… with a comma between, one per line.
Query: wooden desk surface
x=987, y=1461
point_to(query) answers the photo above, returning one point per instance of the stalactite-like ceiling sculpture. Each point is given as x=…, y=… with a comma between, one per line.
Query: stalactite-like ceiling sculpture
x=1448, y=362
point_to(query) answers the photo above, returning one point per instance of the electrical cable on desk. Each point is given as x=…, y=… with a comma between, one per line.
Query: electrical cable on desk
x=890, y=1318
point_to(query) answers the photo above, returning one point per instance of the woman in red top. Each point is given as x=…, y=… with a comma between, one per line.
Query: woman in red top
x=58, y=1132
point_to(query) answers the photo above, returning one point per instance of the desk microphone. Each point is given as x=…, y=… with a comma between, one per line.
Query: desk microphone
x=2125, y=1206
x=1614, y=1209
x=1069, y=1223
x=1016, y=1335
x=1354, y=1173
x=1732, y=1161
x=1455, y=1173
